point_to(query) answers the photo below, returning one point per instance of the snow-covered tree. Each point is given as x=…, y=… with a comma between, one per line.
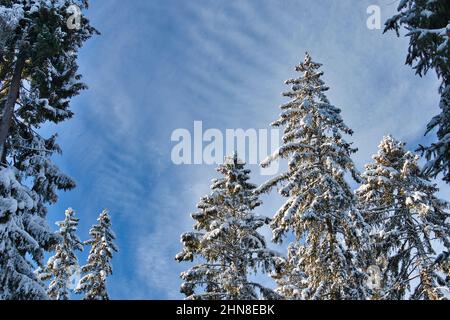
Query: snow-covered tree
x=22, y=231
x=407, y=220
x=38, y=77
x=98, y=266
x=64, y=264
x=38, y=66
x=428, y=26
x=226, y=241
x=320, y=204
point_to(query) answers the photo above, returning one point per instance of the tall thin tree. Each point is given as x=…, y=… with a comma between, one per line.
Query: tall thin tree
x=320, y=203
x=98, y=266
x=226, y=241
x=63, y=266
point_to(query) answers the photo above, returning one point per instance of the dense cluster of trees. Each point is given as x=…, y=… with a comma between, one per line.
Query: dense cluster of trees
x=38, y=77
x=393, y=223
x=393, y=227
x=389, y=239
x=62, y=270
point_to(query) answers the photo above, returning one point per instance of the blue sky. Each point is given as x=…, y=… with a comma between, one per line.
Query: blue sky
x=161, y=65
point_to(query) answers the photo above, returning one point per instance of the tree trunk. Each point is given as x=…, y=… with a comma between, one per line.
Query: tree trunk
x=8, y=110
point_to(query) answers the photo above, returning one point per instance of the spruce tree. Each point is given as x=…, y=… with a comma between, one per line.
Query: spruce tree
x=38, y=78
x=320, y=204
x=98, y=266
x=407, y=220
x=21, y=232
x=226, y=242
x=64, y=264
x=428, y=26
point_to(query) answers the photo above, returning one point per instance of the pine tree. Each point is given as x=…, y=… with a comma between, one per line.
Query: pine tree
x=406, y=219
x=64, y=264
x=428, y=26
x=319, y=207
x=21, y=231
x=38, y=77
x=98, y=267
x=226, y=241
